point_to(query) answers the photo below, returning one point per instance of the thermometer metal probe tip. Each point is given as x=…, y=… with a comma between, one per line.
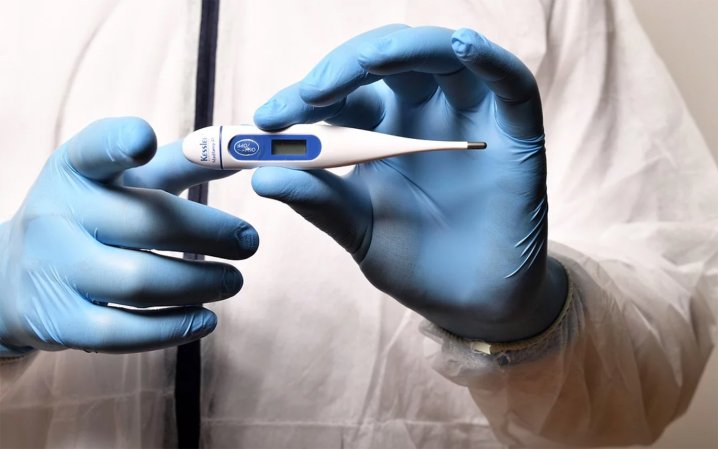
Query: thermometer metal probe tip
x=475, y=145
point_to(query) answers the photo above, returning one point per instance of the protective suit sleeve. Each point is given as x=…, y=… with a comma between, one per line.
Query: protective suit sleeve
x=619, y=365
x=12, y=368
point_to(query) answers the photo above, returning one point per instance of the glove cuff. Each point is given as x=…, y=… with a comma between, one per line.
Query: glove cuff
x=503, y=352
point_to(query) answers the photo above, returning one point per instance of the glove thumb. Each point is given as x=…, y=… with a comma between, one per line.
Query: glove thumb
x=108, y=147
x=331, y=203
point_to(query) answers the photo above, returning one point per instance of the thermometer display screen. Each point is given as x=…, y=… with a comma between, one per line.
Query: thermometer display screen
x=289, y=147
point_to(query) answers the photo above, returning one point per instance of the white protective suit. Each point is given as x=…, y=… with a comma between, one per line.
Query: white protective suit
x=309, y=354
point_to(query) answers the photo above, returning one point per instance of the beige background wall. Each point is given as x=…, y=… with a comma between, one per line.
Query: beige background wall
x=685, y=35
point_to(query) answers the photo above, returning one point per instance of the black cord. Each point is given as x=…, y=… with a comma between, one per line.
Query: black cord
x=188, y=372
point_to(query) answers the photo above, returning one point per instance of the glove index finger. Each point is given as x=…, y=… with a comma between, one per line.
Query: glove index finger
x=422, y=49
x=339, y=73
x=107, y=147
x=362, y=109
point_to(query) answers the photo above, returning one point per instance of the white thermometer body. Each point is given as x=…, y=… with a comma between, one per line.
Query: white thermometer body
x=301, y=146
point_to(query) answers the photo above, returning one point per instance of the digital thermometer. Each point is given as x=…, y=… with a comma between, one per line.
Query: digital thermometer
x=301, y=146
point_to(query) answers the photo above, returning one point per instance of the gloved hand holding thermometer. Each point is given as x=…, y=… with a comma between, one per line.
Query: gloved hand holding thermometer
x=78, y=241
x=458, y=236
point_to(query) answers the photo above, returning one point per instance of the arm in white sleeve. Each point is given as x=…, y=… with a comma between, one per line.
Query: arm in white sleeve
x=634, y=207
x=616, y=369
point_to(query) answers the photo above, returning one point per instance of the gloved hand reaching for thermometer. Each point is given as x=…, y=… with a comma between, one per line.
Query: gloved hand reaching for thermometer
x=458, y=236
x=78, y=243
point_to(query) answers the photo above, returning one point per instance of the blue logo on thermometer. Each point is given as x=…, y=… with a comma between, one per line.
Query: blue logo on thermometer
x=244, y=148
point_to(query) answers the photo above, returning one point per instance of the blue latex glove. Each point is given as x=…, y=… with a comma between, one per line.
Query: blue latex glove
x=460, y=237
x=77, y=243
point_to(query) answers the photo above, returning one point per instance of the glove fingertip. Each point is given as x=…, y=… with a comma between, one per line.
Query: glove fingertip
x=288, y=185
x=137, y=140
x=468, y=44
x=272, y=115
x=107, y=147
x=204, y=323
x=374, y=55
x=315, y=95
x=270, y=182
